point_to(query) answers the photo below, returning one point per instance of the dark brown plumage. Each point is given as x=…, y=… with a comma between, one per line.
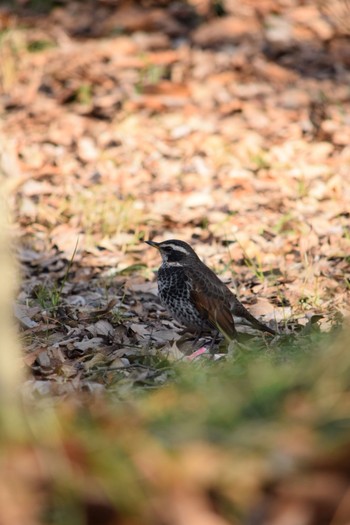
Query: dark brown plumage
x=195, y=296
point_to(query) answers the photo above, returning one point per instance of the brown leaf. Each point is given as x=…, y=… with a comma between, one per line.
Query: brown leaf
x=140, y=329
x=102, y=327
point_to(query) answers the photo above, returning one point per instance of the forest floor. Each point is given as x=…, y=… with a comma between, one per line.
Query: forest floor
x=231, y=133
x=158, y=120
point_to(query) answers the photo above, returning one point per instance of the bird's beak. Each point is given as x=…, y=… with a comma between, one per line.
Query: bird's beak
x=154, y=244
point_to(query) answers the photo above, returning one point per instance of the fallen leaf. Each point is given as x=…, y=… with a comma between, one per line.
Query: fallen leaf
x=89, y=344
x=102, y=327
x=140, y=329
x=24, y=313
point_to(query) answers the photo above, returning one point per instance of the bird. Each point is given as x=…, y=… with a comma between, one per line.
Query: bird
x=195, y=296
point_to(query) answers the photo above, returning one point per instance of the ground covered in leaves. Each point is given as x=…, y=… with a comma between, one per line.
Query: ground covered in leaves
x=162, y=121
x=224, y=124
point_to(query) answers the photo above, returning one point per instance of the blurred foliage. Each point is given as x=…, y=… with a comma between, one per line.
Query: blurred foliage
x=217, y=434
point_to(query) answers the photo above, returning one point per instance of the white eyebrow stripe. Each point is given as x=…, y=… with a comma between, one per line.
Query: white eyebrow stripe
x=175, y=247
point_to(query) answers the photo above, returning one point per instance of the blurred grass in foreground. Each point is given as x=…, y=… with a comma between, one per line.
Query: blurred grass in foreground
x=200, y=450
x=10, y=369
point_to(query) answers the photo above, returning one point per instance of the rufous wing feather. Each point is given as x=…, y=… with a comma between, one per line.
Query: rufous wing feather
x=215, y=311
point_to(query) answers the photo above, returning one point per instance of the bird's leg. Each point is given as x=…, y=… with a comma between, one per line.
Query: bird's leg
x=213, y=341
x=198, y=336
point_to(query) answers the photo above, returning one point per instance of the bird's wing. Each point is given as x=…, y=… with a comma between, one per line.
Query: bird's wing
x=220, y=306
x=211, y=302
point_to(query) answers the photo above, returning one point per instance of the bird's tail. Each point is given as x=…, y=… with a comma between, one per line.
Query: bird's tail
x=241, y=312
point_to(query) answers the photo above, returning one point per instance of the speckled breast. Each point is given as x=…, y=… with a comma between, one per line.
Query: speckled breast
x=174, y=290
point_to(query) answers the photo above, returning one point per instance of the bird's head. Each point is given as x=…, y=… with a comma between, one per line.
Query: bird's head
x=174, y=251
